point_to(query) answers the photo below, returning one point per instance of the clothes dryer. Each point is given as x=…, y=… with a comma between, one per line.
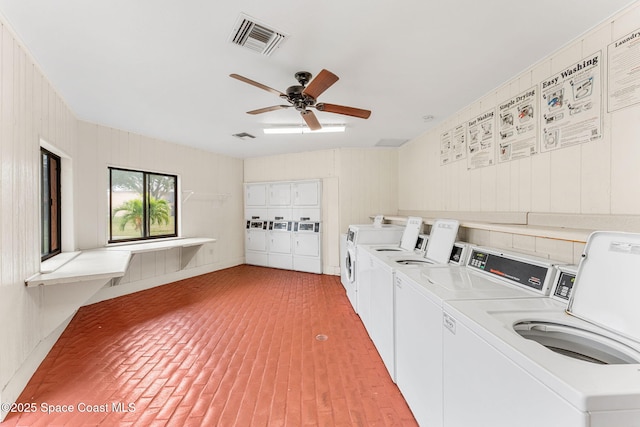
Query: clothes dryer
x=307, y=246
x=256, y=242
x=279, y=240
x=578, y=363
x=419, y=296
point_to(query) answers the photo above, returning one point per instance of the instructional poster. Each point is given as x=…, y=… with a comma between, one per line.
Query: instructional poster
x=481, y=131
x=624, y=72
x=453, y=144
x=445, y=148
x=459, y=142
x=518, y=126
x=571, y=105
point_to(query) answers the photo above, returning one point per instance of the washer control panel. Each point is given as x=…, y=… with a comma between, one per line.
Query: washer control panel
x=515, y=269
x=564, y=284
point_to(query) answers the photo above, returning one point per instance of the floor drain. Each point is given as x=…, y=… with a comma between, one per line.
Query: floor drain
x=322, y=337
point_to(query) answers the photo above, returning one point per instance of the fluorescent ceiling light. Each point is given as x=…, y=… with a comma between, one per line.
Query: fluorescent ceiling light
x=302, y=129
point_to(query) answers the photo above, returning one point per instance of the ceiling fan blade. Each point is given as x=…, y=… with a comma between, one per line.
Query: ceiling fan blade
x=341, y=109
x=267, y=109
x=256, y=84
x=320, y=83
x=311, y=119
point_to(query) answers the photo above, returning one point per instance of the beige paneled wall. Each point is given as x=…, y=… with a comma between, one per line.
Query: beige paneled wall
x=595, y=178
x=357, y=183
x=368, y=184
x=214, y=182
x=33, y=113
x=30, y=110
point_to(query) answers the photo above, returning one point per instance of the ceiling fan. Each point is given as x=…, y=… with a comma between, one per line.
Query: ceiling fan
x=303, y=96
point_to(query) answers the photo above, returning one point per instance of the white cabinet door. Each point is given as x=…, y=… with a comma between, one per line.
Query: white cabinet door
x=306, y=193
x=255, y=195
x=280, y=194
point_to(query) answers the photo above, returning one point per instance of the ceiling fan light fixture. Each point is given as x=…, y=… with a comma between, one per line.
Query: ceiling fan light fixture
x=303, y=129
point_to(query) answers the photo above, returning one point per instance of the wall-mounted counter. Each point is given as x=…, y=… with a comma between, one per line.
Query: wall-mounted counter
x=110, y=262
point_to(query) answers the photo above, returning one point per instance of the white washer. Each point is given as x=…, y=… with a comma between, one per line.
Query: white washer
x=419, y=297
x=408, y=241
x=495, y=376
x=359, y=234
x=376, y=287
x=459, y=254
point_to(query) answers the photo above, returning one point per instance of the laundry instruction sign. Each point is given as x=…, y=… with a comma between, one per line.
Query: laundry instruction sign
x=453, y=144
x=518, y=133
x=571, y=105
x=481, y=141
x=624, y=72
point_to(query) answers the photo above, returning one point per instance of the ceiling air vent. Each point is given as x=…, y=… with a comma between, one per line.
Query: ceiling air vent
x=256, y=36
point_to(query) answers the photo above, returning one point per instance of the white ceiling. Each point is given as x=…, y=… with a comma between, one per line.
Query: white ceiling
x=161, y=67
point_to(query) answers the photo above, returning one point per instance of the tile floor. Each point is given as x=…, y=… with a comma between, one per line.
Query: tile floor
x=238, y=347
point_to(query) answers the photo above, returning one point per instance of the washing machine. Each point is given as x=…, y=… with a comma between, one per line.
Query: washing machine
x=419, y=297
x=408, y=241
x=279, y=242
x=307, y=246
x=459, y=254
x=255, y=243
x=376, y=287
x=536, y=362
x=359, y=234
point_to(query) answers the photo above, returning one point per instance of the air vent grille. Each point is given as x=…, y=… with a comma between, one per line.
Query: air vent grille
x=256, y=36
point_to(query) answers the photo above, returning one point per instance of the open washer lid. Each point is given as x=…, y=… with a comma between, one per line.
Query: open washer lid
x=606, y=291
x=411, y=233
x=441, y=239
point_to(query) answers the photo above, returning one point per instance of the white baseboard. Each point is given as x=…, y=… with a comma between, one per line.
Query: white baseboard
x=17, y=383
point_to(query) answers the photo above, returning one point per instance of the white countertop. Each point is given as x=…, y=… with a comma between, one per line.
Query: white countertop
x=104, y=263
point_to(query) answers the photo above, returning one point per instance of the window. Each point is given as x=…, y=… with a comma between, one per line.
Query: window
x=142, y=205
x=50, y=222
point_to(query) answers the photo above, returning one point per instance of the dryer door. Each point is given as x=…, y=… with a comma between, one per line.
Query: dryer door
x=307, y=244
x=256, y=240
x=280, y=242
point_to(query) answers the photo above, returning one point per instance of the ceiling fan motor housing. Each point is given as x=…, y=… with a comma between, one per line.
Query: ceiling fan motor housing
x=296, y=97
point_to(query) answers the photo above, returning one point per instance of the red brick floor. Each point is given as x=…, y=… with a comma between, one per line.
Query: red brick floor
x=237, y=347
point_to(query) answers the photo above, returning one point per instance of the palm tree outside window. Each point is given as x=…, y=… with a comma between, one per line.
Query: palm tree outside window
x=142, y=205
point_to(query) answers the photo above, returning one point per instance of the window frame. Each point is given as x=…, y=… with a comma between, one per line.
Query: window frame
x=50, y=187
x=146, y=220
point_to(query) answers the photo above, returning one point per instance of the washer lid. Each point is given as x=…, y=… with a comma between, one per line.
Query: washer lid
x=606, y=291
x=411, y=232
x=441, y=239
